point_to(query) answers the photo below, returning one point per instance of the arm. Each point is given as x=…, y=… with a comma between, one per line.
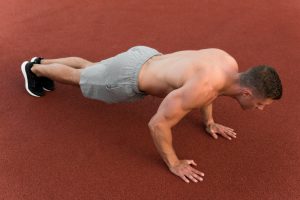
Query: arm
x=206, y=113
x=172, y=109
x=168, y=115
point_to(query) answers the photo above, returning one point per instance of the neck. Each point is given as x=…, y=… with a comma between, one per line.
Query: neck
x=232, y=88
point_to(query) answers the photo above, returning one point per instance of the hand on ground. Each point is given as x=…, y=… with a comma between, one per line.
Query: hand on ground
x=214, y=129
x=184, y=170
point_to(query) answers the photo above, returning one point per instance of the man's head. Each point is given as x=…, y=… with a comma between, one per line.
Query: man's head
x=260, y=86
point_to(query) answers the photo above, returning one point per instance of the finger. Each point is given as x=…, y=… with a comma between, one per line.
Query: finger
x=230, y=134
x=196, y=176
x=214, y=135
x=229, y=138
x=184, y=179
x=225, y=127
x=233, y=132
x=230, y=129
x=192, y=178
x=225, y=136
x=197, y=172
x=191, y=162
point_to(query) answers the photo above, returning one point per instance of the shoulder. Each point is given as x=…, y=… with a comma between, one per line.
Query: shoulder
x=193, y=94
x=227, y=60
x=197, y=91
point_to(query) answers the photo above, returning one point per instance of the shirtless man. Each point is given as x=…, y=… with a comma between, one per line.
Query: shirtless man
x=186, y=80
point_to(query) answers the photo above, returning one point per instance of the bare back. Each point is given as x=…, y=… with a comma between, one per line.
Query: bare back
x=162, y=74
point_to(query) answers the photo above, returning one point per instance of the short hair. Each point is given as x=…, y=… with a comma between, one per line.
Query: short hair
x=264, y=80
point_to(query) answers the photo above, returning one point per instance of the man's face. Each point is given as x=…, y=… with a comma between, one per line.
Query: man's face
x=252, y=102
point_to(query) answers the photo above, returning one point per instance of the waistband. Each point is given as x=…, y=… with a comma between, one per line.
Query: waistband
x=145, y=53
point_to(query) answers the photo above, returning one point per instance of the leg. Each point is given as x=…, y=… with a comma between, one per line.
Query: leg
x=58, y=72
x=74, y=62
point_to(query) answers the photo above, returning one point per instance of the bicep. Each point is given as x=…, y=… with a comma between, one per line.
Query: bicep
x=175, y=106
x=170, y=111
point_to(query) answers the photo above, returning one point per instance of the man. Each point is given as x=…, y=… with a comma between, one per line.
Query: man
x=186, y=79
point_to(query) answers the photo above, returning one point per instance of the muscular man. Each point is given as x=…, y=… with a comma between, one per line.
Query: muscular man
x=186, y=80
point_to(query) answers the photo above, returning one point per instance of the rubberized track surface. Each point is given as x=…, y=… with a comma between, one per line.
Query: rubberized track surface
x=63, y=146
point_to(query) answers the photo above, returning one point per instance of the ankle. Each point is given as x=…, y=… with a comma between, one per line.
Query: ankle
x=35, y=70
x=44, y=61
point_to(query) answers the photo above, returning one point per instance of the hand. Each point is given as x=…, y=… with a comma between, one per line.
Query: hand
x=186, y=172
x=213, y=129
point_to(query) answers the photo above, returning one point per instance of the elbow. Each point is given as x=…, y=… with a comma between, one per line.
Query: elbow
x=152, y=126
x=158, y=127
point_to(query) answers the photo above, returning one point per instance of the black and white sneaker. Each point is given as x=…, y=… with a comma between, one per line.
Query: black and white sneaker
x=32, y=82
x=36, y=60
x=47, y=83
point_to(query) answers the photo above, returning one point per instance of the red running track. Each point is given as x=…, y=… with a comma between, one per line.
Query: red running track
x=63, y=146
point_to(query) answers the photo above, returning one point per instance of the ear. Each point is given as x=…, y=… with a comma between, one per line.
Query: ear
x=247, y=92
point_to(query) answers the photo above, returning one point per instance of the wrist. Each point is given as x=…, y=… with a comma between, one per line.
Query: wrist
x=209, y=122
x=172, y=163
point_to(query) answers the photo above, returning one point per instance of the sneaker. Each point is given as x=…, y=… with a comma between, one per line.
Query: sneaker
x=32, y=82
x=36, y=60
x=47, y=83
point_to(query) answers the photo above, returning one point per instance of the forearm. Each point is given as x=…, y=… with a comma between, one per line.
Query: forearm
x=206, y=113
x=162, y=137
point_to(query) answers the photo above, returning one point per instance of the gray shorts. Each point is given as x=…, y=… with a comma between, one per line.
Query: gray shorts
x=115, y=79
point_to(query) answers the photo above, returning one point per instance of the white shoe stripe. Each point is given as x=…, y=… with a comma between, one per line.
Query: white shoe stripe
x=32, y=59
x=26, y=80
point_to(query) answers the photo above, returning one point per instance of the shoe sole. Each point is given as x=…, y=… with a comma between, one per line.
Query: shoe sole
x=26, y=80
x=47, y=90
